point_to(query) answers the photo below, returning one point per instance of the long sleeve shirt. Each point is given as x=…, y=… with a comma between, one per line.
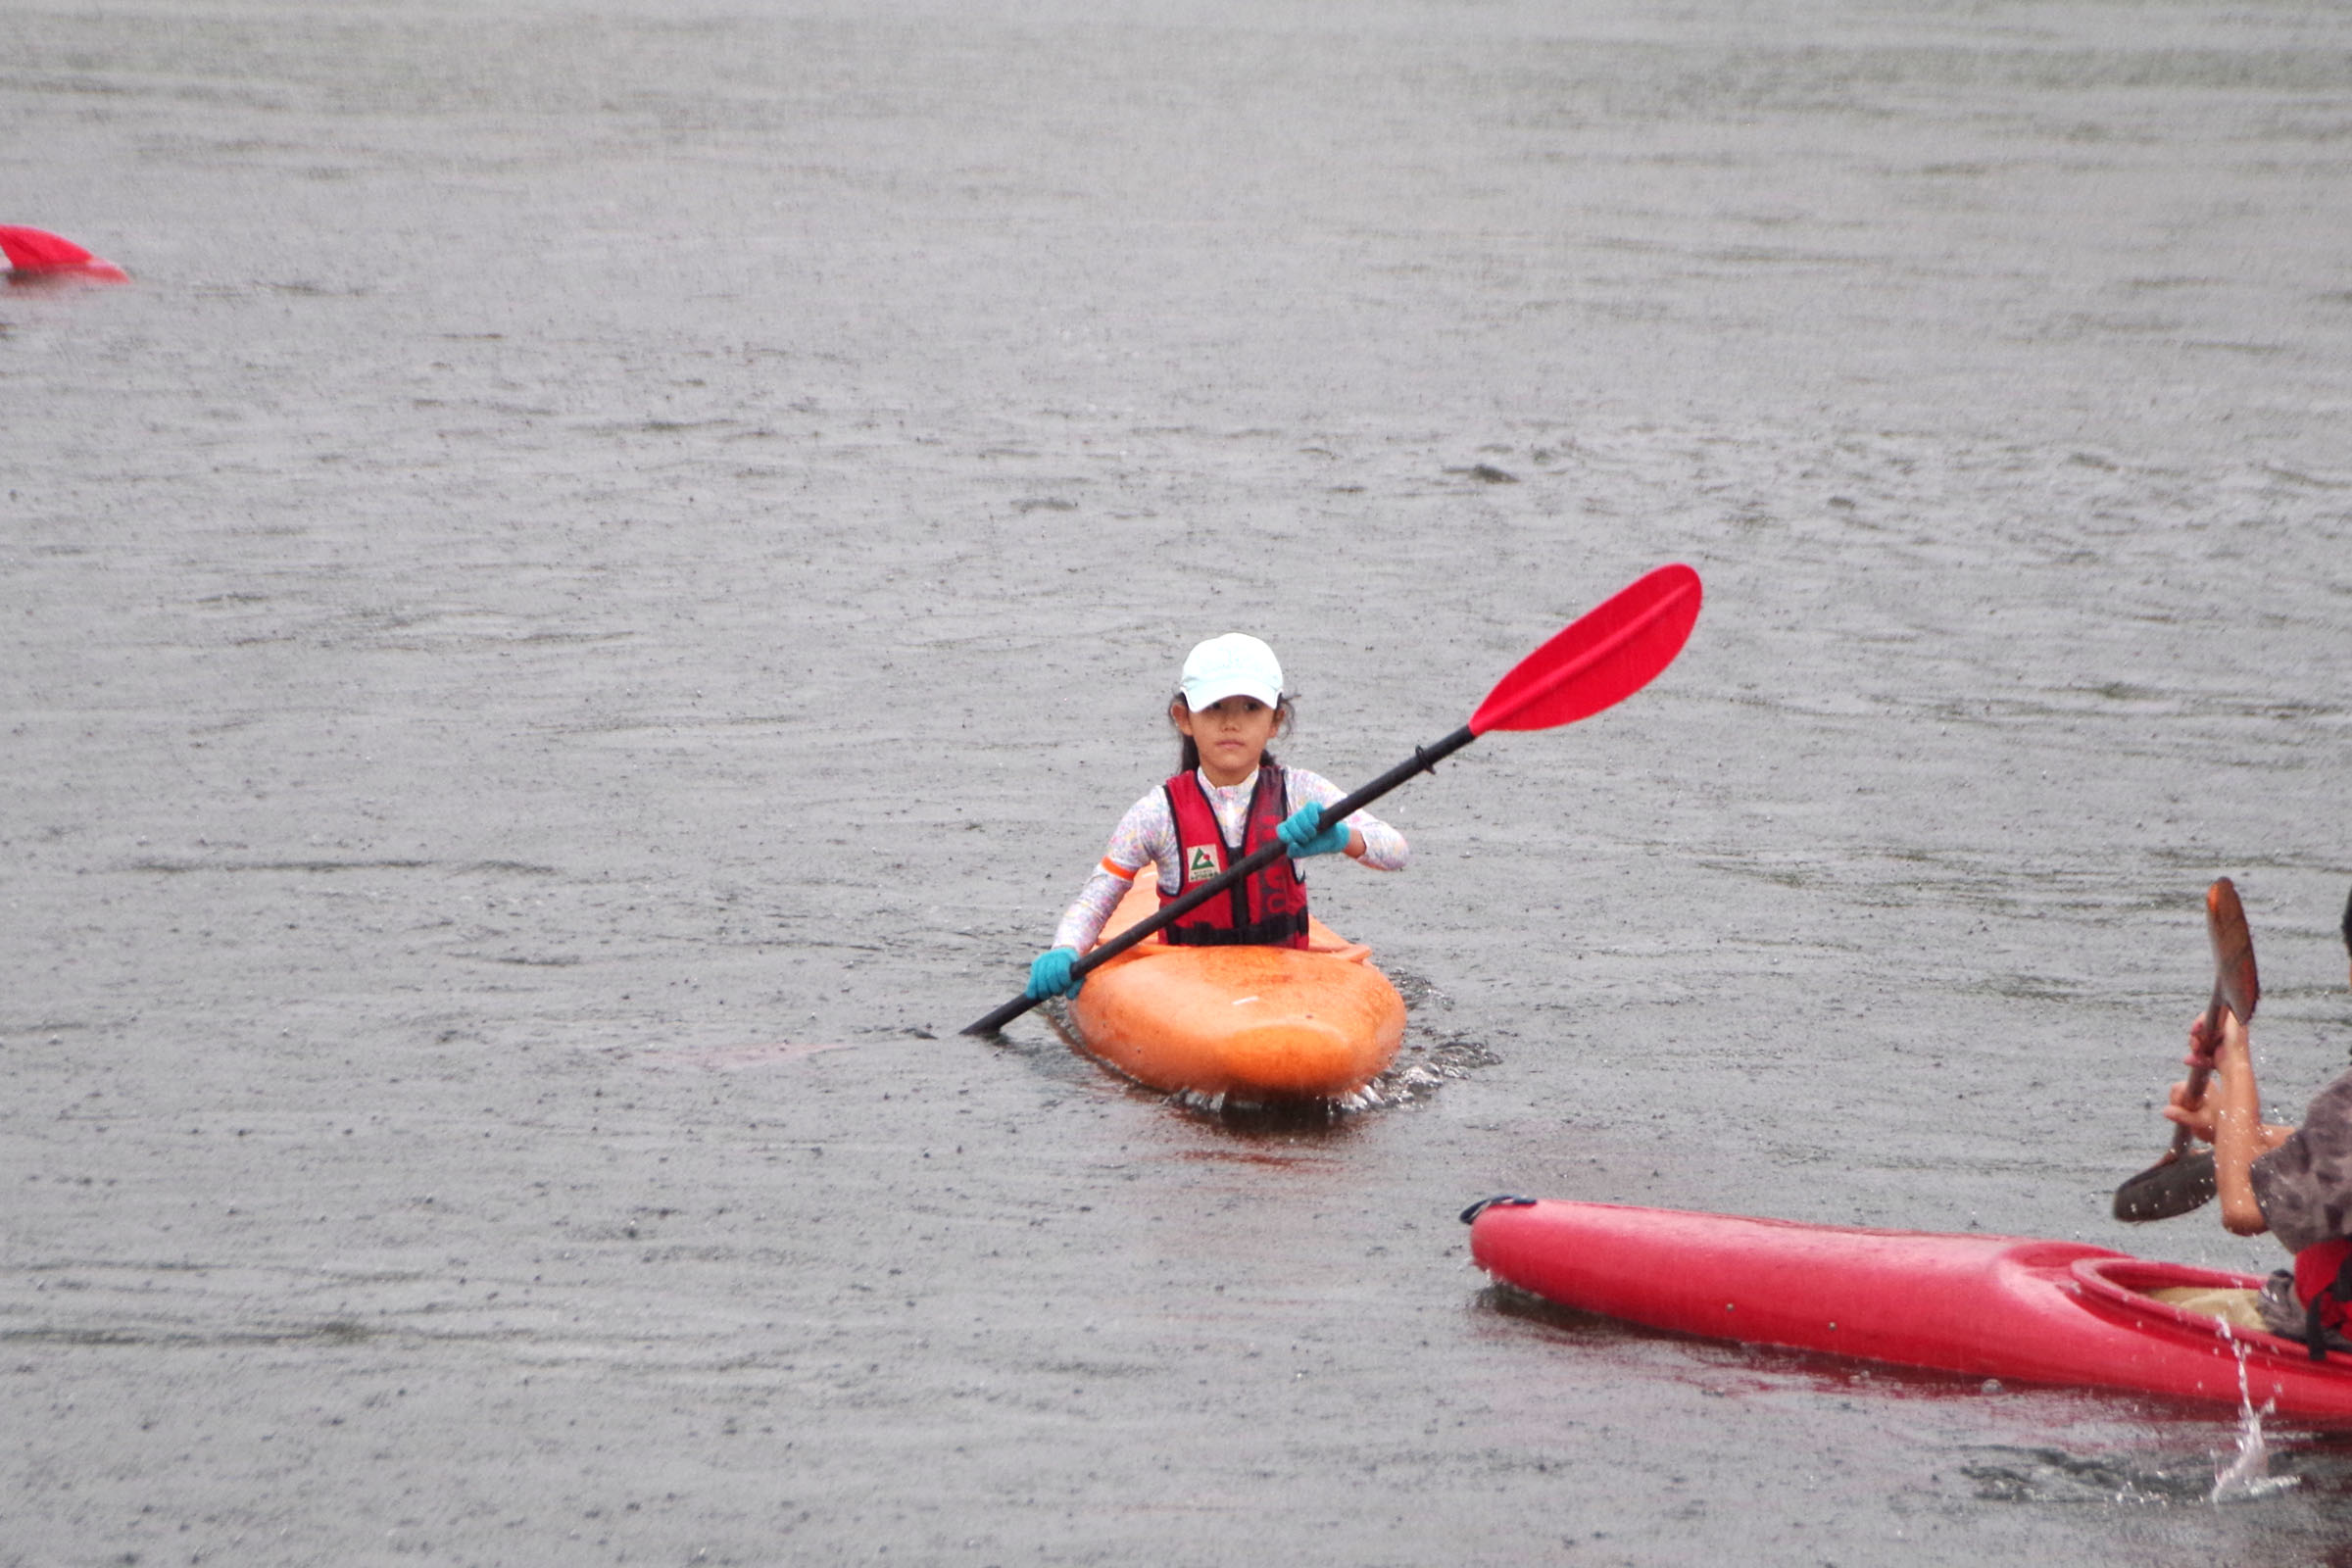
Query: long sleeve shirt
x=1148, y=834
x=2305, y=1185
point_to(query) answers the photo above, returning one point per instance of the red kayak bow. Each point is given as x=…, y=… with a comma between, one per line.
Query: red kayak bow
x=34, y=252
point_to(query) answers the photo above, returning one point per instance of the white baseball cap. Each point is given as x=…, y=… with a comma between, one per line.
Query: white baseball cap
x=1235, y=664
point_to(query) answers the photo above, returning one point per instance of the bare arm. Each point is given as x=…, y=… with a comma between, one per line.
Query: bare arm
x=2229, y=1115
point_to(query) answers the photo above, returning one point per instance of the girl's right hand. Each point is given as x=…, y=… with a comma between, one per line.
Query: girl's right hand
x=2212, y=1053
x=1049, y=976
x=2219, y=1057
x=2200, y=1049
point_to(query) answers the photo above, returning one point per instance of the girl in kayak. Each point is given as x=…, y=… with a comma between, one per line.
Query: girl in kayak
x=1228, y=798
x=2294, y=1182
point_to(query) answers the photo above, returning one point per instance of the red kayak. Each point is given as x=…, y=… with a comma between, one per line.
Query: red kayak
x=34, y=254
x=2000, y=1307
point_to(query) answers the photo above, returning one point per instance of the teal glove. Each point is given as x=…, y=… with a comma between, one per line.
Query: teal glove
x=1049, y=976
x=1303, y=832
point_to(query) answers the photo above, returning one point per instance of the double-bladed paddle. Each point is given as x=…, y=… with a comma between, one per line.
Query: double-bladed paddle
x=1600, y=658
x=2184, y=1179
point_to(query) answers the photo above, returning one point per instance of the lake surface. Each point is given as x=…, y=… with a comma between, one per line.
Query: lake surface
x=608, y=578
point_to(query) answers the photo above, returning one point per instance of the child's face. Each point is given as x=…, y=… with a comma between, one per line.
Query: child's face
x=1231, y=734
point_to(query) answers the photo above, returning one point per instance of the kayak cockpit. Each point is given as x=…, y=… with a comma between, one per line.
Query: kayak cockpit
x=2205, y=1303
x=2231, y=1305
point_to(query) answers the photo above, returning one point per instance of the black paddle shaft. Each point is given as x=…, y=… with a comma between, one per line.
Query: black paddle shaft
x=1425, y=759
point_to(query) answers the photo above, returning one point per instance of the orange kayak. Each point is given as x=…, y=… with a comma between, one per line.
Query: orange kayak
x=1248, y=1023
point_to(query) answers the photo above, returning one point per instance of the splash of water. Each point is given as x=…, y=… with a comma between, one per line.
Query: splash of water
x=2247, y=1475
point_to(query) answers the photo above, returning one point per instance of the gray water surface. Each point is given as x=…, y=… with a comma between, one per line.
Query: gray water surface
x=610, y=573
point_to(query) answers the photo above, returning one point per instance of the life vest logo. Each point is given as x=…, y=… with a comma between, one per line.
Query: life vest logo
x=1202, y=865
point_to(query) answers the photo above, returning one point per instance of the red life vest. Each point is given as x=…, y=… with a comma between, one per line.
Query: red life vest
x=1268, y=908
x=2322, y=1279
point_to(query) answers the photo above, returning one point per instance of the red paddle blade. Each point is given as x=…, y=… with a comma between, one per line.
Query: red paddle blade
x=1605, y=656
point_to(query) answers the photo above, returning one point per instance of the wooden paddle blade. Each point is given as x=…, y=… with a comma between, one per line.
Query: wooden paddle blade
x=1605, y=656
x=2184, y=1179
x=2234, y=974
x=2167, y=1188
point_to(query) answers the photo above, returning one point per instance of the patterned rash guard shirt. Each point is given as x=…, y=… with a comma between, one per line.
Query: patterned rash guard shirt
x=2305, y=1185
x=1148, y=833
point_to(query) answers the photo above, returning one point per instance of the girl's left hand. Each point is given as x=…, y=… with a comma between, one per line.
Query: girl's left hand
x=1303, y=832
x=1049, y=976
x=2197, y=1119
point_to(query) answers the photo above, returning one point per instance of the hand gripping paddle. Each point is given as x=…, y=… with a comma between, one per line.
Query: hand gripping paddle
x=2183, y=1180
x=1604, y=657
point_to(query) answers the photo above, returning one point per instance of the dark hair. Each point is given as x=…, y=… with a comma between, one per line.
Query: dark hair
x=2348, y=925
x=1187, y=754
